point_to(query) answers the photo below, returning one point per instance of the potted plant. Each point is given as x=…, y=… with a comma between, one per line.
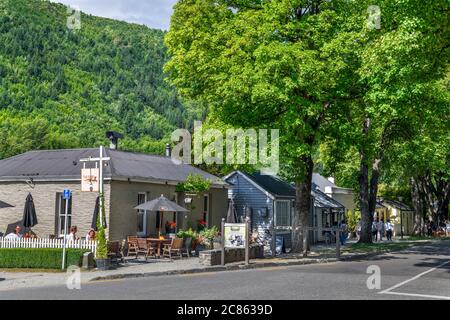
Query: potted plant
x=101, y=257
x=189, y=237
x=102, y=260
x=201, y=225
x=170, y=227
x=208, y=235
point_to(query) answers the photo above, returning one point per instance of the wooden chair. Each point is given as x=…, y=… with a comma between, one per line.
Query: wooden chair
x=132, y=246
x=145, y=248
x=175, y=248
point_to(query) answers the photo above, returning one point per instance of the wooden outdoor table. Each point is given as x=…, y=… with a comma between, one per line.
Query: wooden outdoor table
x=160, y=243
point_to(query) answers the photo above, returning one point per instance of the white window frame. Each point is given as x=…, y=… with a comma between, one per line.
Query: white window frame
x=144, y=212
x=61, y=209
x=289, y=207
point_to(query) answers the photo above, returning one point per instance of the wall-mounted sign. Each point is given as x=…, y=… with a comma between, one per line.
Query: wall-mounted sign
x=235, y=235
x=90, y=180
x=67, y=194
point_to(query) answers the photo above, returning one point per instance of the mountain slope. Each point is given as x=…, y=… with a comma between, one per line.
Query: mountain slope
x=61, y=88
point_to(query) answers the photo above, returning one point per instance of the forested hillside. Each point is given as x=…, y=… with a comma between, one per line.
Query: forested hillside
x=62, y=89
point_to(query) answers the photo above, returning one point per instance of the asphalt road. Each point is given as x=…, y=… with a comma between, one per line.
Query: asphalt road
x=419, y=273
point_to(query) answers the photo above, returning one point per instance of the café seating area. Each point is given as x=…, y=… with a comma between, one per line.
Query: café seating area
x=156, y=248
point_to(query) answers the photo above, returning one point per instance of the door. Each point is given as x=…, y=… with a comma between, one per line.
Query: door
x=206, y=210
x=141, y=216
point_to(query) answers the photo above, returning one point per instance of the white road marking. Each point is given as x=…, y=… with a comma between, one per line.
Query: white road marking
x=389, y=290
x=417, y=295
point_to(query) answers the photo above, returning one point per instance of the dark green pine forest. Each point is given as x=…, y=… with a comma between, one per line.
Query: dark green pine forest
x=63, y=89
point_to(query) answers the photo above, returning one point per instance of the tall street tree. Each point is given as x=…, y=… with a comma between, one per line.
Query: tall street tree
x=287, y=64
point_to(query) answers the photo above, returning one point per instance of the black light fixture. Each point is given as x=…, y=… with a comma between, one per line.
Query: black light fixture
x=114, y=138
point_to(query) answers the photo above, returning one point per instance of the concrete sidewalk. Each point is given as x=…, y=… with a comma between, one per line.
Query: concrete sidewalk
x=139, y=268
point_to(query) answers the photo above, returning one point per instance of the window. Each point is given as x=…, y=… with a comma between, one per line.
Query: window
x=282, y=213
x=61, y=214
x=141, y=215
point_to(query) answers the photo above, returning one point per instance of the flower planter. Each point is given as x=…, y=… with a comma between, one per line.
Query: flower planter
x=103, y=264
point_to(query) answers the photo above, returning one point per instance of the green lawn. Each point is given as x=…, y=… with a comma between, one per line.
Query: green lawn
x=380, y=247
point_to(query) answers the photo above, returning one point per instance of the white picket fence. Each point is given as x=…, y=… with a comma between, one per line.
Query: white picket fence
x=48, y=243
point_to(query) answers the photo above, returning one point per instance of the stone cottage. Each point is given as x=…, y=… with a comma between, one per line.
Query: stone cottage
x=129, y=179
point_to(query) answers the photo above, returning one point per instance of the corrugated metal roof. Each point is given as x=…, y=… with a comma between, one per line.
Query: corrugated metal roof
x=54, y=165
x=279, y=188
x=397, y=204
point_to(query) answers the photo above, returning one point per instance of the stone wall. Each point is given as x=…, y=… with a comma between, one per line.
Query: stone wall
x=44, y=196
x=213, y=257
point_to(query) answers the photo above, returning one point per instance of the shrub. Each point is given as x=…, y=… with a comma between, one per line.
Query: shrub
x=188, y=234
x=39, y=258
x=194, y=183
x=208, y=235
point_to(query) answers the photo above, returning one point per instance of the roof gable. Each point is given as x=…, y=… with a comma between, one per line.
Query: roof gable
x=279, y=188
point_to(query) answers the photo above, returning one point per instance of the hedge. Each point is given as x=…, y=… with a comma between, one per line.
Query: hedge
x=39, y=258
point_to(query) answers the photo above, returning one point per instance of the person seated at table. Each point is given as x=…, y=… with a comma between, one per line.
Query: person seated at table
x=72, y=236
x=90, y=235
x=15, y=235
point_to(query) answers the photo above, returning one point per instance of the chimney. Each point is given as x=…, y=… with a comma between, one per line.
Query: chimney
x=114, y=138
x=168, y=150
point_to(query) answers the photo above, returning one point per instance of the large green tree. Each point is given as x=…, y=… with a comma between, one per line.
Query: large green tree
x=285, y=64
x=396, y=65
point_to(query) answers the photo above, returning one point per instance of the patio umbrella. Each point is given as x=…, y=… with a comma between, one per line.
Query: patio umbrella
x=161, y=204
x=95, y=216
x=5, y=205
x=231, y=214
x=29, y=213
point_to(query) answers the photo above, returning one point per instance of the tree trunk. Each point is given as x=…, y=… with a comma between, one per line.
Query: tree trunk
x=373, y=188
x=419, y=207
x=366, y=217
x=302, y=204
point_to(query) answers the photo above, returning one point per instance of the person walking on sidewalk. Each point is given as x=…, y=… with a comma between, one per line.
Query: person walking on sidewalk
x=380, y=229
x=358, y=229
x=389, y=229
x=374, y=230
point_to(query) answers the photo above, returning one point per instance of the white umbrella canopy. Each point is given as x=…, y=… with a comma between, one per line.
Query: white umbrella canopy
x=161, y=204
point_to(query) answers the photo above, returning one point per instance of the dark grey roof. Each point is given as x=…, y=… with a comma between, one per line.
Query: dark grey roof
x=321, y=200
x=55, y=165
x=279, y=188
x=379, y=205
x=273, y=185
x=397, y=204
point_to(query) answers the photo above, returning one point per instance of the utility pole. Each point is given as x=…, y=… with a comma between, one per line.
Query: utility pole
x=101, y=161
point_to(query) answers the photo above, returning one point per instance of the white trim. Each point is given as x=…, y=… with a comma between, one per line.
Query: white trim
x=47, y=243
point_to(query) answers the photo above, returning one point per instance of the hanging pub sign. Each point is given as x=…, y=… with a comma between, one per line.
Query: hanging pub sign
x=90, y=180
x=235, y=235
